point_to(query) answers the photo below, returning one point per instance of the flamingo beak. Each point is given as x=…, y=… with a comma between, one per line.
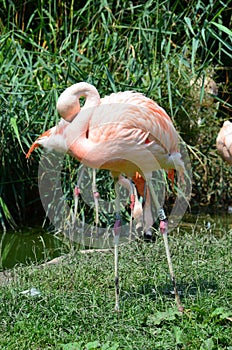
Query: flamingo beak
x=31, y=149
x=36, y=144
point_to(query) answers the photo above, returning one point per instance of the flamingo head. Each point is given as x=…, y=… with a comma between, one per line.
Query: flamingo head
x=52, y=139
x=39, y=142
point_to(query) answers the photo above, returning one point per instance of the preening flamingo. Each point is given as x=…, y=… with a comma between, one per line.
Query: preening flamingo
x=224, y=142
x=126, y=133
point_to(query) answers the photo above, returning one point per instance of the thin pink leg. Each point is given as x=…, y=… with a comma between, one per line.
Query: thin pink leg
x=117, y=230
x=164, y=231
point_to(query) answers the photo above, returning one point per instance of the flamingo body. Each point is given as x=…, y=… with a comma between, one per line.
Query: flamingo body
x=224, y=142
x=124, y=132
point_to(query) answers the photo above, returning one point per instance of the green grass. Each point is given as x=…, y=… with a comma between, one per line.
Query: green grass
x=75, y=309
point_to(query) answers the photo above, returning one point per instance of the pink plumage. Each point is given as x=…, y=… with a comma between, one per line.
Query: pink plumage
x=224, y=142
x=126, y=133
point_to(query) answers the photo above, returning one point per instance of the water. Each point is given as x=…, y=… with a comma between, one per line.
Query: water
x=218, y=224
x=27, y=246
x=34, y=245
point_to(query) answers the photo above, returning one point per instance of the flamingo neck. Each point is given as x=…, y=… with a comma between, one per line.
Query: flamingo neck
x=71, y=134
x=77, y=136
x=68, y=104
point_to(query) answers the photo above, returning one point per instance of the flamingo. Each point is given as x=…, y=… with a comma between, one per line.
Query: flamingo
x=125, y=133
x=224, y=142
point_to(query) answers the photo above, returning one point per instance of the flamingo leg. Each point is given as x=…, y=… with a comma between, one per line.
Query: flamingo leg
x=76, y=194
x=147, y=213
x=133, y=198
x=117, y=229
x=95, y=197
x=164, y=230
x=135, y=204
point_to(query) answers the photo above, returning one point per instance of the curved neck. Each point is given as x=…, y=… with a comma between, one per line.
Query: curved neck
x=77, y=134
x=68, y=104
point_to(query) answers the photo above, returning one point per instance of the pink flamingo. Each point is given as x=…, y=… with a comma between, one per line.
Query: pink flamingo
x=126, y=133
x=224, y=142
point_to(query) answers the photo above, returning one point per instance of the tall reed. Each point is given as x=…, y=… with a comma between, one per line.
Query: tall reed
x=152, y=47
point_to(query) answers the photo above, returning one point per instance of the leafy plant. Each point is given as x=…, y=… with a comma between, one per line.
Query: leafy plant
x=156, y=48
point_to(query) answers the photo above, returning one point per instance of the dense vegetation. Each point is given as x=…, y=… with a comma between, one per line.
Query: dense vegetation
x=153, y=47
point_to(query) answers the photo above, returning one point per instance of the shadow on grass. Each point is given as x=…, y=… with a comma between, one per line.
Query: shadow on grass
x=200, y=286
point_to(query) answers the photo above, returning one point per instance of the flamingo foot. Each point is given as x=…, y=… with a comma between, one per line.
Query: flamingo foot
x=96, y=194
x=77, y=191
x=163, y=226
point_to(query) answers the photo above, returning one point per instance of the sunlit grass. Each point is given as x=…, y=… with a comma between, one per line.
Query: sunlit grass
x=76, y=304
